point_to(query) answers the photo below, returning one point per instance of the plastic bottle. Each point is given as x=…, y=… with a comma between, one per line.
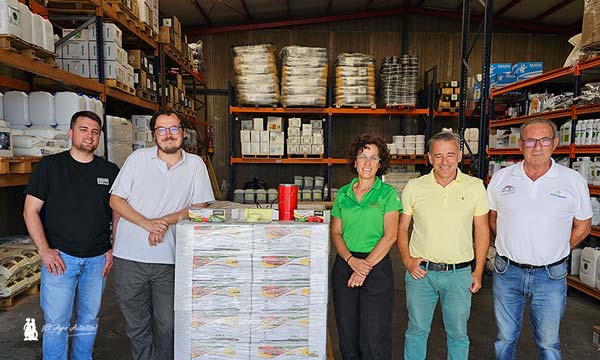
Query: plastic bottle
x=578, y=134
x=565, y=132
x=589, y=131
x=595, y=211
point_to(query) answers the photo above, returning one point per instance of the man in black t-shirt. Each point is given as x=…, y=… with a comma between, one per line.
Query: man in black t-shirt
x=74, y=240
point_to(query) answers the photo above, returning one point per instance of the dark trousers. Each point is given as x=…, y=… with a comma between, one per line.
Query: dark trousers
x=145, y=293
x=364, y=314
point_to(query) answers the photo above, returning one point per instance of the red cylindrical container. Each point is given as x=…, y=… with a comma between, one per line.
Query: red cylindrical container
x=288, y=201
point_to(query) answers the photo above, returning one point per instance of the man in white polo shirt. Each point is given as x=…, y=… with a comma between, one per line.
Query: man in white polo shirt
x=539, y=211
x=153, y=191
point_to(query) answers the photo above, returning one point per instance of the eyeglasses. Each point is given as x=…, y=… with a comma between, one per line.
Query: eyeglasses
x=162, y=131
x=363, y=158
x=545, y=141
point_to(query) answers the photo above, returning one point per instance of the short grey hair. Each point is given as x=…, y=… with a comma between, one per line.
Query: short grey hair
x=444, y=136
x=539, y=120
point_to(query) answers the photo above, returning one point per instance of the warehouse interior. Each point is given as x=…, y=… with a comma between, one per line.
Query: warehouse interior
x=203, y=85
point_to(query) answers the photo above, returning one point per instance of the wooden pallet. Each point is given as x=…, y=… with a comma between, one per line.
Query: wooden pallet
x=20, y=297
x=446, y=109
x=189, y=112
x=362, y=106
x=18, y=164
x=34, y=52
x=146, y=95
x=121, y=86
x=178, y=55
x=124, y=14
x=146, y=29
x=262, y=156
x=71, y=7
x=305, y=156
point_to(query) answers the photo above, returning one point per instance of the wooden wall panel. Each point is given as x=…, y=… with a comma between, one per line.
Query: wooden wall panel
x=435, y=41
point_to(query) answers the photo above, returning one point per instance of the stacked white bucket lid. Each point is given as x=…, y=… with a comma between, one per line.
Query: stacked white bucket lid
x=407, y=145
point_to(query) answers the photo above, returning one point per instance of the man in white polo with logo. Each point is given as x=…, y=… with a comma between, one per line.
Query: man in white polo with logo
x=539, y=211
x=154, y=189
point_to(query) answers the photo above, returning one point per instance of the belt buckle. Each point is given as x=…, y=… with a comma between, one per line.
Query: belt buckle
x=527, y=266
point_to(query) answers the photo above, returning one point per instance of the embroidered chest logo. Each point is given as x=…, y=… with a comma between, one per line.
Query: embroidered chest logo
x=507, y=190
x=375, y=204
x=103, y=181
x=558, y=194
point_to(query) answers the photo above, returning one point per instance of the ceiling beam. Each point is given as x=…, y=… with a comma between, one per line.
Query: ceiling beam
x=368, y=6
x=452, y=15
x=329, y=4
x=202, y=13
x=289, y=9
x=419, y=3
x=247, y=11
x=507, y=7
x=552, y=10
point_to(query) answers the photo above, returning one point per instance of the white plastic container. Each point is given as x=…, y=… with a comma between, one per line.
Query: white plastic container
x=41, y=108
x=598, y=273
x=48, y=35
x=595, y=210
x=37, y=30
x=16, y=109
x=66, y=104
x=26, y=27
x=1, y=106
x=10, y=18
x=99, y=108
x=575, y=261
x=588, y=268
x=90, y=104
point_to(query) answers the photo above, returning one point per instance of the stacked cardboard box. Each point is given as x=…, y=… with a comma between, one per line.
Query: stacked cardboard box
x=251, y=291
x=142, y=135
x=255, y=140
x=305, y=138
x=143, y=68
x=148, y=13
x=448, y=94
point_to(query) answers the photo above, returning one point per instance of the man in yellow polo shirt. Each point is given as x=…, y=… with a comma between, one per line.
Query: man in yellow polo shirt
x=446, y=205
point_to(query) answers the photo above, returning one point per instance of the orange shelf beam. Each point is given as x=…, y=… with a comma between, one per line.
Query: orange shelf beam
x=594, y=190
x=277, y=110
x=278, y=161
x=595, y=231
x=589, y=64
x=451, y=114
x=419, y=160
x=366, y=111
x=14, y=84
x=587, y=109
x=522, y=119
x=587, y=149
x=553, y=74
x=120, y=95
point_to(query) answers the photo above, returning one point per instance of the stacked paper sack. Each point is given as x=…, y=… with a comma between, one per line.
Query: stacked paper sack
x=256, y=79
x=399, y=180
x=355, y=80
x=399, y=76
x=303, y=76
x=251, y=291
x=20, y=267
x=119, y=139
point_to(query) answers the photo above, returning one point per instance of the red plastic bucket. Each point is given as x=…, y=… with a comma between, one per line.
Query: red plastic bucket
x=288, y=201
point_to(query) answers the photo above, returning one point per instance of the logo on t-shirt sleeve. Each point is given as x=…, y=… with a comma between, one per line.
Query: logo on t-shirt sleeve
x=103, y=181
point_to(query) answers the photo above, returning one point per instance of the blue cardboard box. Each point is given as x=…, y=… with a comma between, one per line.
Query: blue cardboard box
x=526, y=70
x=500, y=80
x=499, y=68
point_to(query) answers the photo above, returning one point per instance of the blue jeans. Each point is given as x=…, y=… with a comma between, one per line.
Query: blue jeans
x=546, y=289
x=82, y=283
x=452, y=289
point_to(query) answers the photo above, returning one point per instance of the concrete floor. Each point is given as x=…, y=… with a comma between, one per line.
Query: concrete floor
x=582, y=313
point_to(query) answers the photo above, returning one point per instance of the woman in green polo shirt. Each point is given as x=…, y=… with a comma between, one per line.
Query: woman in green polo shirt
x=363, y=229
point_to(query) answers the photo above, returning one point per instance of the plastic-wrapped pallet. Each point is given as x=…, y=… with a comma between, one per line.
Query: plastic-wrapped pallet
x=355, y=80
x=251, y=291
x=256, y=79
x=399, y=77
x=399, y=180
x=303, y=76
x=119, y=139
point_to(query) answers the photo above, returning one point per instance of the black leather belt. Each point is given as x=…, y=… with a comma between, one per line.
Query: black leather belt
x=444, y=267
x=529, y=267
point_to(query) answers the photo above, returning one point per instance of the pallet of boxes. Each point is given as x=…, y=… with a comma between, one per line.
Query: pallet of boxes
x=448, y=95
x=148, y=17
x=248, y=290
x=177, y=98
x=20, y=269
x=256, y=141
x=305, y=139
x=79, y=55
x=142, y=135
x=144, y=77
